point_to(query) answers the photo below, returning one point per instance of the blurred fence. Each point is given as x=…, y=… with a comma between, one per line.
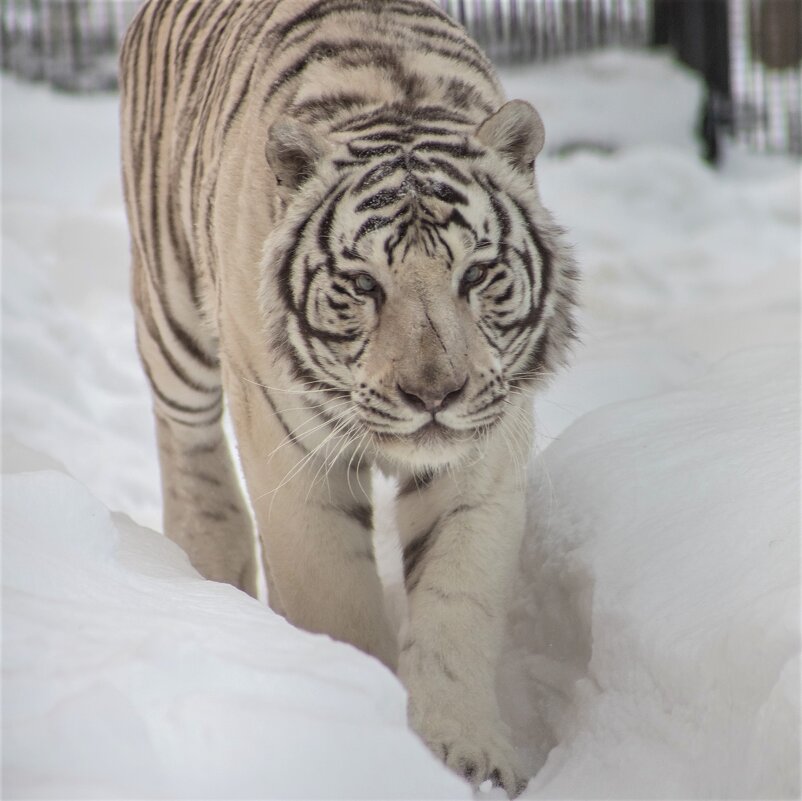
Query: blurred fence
x=750, y=51
x=72, y=44
x=536, y=30
x=765, y=92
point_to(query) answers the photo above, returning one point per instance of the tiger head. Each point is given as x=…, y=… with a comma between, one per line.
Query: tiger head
x=419, y=276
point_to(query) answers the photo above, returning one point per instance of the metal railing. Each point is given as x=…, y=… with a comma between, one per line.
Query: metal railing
x=71, y=44
x=765, y=97
x=750, y=54
x=536, y=30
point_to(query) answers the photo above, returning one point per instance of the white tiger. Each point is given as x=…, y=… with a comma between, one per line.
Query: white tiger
x=334, y=223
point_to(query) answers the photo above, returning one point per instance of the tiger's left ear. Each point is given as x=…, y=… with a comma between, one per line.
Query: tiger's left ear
x=516, y=131
x=293, y=151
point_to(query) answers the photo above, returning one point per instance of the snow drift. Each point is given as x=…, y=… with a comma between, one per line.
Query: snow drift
x=659, y=600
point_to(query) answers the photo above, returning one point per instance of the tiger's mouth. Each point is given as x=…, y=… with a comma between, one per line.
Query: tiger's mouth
x=431, y=426
x=436, y=432
x=431, y=445
x=433, y=433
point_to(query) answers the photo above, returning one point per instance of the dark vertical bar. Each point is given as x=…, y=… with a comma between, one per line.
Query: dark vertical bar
x=777, y=34
x=515, y=38
x=73, y=17
x=5, y=33
x=573, y=38
x=528, y=28
x=699, y=33
x=38, y=42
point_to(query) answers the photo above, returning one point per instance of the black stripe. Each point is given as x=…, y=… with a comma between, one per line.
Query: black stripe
x=456, y=218
x=203, y=477
x=190, y=30
x=351, y=255
x=399, y=114
x=246, y=87
x=451, y=171
x=543, y=251
x=497, y=277
x=461, y=150
x=444, y=192
x=315, y=14
x=415, y=553
x=177, y=369
x=180, y=408
x=416, y=482
x=459, y=39
x=266, y=394
x=401, y=137
x=352, y=360
x=361, y=512
x=504, y=296
x=380, y=413
x=378, y=173
x=367, y=153
x=328, y=106
x=320, y=51
x=373, y=223
x=502, y=217
x=380, y=199
x=392, y=241
x=181, y=251
x=535, y=360
x=326, y=223
x=326, y=9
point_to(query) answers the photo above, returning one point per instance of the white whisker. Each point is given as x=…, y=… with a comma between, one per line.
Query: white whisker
x=331, y=390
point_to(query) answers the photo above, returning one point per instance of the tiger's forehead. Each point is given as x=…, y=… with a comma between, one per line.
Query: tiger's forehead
x=417, y=242
x=416, y=235
x=397, y=214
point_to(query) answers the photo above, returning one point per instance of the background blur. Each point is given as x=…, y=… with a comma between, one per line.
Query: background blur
x=748, y=51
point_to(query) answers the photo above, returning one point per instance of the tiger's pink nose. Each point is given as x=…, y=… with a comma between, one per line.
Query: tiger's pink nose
x=431, y=398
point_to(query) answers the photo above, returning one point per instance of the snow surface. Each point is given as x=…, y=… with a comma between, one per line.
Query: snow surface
x=653, y=646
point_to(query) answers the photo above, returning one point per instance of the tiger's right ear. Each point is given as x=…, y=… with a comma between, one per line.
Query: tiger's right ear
x=293, y=151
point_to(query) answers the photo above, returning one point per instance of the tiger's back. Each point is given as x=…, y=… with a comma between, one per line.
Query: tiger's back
x=335, y=227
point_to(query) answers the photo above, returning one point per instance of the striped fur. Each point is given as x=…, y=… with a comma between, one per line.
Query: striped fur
x=335, y=231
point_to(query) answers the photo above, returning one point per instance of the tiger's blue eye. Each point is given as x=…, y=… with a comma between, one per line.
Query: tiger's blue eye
x=365, y=283
x=474, y=275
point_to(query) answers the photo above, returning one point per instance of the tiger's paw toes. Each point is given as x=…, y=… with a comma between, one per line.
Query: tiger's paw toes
x=478, y=757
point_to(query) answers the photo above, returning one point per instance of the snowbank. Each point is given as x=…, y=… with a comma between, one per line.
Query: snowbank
x=658, y=604
x=127, y=675
x=653, y=646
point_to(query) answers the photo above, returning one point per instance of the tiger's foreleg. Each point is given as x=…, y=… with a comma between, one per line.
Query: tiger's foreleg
x=462, y=534
x=203, y=507
x=314, y=515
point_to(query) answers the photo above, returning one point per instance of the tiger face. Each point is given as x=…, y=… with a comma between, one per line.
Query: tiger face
x=416, y=276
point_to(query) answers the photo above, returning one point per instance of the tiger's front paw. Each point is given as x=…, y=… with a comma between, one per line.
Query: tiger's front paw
x=475, y=752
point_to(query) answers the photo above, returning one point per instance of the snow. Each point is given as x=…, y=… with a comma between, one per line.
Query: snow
x=589, y=101
x=128, y=675
x=653, y=641
x=679, y=590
